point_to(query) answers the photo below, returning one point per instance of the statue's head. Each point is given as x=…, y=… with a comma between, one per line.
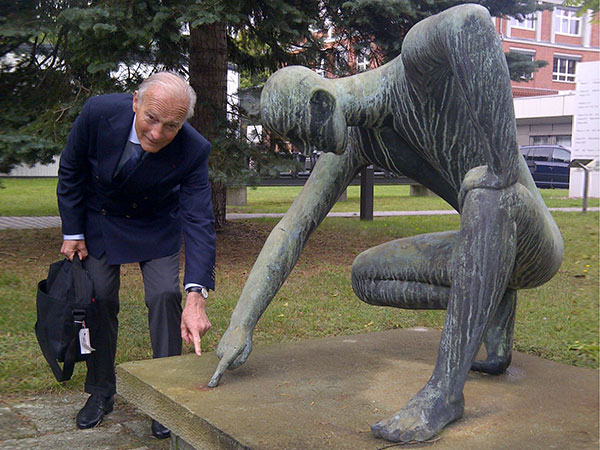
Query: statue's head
x=299, y=105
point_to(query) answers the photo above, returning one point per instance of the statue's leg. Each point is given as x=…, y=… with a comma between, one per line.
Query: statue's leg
x=411, y=273
x=481, y=267
x=498, y=339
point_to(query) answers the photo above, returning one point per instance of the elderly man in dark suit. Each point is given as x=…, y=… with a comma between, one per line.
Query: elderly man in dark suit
x=133, y=177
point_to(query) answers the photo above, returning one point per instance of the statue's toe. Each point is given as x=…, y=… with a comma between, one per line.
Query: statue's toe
x=377, y=429
x=385, y=431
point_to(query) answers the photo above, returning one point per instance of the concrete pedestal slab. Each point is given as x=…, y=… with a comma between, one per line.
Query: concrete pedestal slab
x=325, y=393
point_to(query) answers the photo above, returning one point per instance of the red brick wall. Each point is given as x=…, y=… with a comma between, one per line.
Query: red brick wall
x=569, y=40
x=522, y=33
x=545, y=50
x=547, y=17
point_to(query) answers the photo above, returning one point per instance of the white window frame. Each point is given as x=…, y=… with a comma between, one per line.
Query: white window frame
x=330, y=35
x=567, y=77
x=529, y=22
x=566, y=16
x=321, y=68
x=254, y=133
x=363, y=60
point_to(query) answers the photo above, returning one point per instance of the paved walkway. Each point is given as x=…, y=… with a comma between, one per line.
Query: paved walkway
x=9, y=222
x=47, y=421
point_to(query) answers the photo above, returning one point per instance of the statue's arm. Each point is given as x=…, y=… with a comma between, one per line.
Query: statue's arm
x=281, y=251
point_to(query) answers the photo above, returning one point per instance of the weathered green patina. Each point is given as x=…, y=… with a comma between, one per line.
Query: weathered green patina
x=442, y=114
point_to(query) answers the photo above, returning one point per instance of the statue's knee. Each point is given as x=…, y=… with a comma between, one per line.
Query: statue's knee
x=360, y=274
x=364, y=263
x=366, y=270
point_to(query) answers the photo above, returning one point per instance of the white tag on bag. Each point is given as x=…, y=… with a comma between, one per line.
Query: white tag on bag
x=84, y=341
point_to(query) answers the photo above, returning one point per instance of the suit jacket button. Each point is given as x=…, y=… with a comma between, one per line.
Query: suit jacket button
x=103, y=211
x=134, y=205
x=127, y=216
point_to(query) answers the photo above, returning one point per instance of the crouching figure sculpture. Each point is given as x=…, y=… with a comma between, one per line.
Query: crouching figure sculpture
x=442, y=114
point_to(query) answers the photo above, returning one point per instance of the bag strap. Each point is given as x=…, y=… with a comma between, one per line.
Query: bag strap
x=73, y=349
x=80, y=281
x=49, y=356
x=64, y=373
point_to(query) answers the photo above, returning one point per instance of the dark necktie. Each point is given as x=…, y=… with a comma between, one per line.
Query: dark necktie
x=127, y=169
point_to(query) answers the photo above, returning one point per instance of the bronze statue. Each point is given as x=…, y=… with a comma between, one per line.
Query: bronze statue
x=442, y=114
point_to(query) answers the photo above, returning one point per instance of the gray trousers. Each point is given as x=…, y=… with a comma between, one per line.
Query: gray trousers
x=163, y=300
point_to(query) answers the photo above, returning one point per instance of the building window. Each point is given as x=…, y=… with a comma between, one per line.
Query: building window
x=363, y=61
x=566, y=22
x=254, y=133
x=329, y=32
x=527, y=23
x=539, y=140
x=563, y=69
x=564, y=140
x=320, y=69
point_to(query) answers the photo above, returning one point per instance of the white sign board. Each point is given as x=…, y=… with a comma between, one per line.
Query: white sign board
x=586, y=129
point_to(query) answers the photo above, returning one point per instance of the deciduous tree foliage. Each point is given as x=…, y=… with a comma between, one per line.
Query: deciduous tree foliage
x=585, y=5
x=54, y=54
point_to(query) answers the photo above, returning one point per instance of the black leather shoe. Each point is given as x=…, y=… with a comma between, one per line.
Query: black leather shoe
x=159, y=431
x=96, y=407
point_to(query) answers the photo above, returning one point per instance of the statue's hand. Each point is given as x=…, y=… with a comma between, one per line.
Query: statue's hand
x=233, y=350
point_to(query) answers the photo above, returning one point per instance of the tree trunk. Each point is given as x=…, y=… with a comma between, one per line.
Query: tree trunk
x=208, y=77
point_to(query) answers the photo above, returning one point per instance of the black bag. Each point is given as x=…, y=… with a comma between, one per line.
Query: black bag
x=65, y=301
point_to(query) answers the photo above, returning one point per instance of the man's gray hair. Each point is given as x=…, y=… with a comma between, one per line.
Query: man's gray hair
x=175, y=83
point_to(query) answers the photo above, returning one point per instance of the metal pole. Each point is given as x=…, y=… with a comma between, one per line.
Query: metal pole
x=586, y=176
x=366, y=193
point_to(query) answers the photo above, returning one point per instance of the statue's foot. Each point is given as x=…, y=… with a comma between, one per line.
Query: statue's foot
x=494, y=365
x=424, y=416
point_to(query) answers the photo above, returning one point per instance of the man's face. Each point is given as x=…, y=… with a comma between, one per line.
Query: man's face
x=159, y=117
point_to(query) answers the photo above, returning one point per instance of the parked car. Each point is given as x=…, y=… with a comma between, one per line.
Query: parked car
x=548, y=164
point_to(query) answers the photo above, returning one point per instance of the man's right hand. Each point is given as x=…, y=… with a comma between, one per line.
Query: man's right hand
x=69, y=248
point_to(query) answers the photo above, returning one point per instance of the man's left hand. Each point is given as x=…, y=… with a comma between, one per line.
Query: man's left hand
x=194, y=321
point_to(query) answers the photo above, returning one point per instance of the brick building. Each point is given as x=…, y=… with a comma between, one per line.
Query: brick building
x=557, y=36
x=561, y=38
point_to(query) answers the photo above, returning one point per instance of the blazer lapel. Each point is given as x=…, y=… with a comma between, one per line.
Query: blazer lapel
x=112, y=137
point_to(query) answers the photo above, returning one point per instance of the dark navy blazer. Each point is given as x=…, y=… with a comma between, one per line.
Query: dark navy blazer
x=143, y=217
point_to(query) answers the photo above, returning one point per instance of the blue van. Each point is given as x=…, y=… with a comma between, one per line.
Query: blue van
x=548, y=164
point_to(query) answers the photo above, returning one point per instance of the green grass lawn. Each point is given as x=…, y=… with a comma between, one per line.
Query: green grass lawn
x=558, y=321
x=386, y=198
x=37, y=197
x=28, y=197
